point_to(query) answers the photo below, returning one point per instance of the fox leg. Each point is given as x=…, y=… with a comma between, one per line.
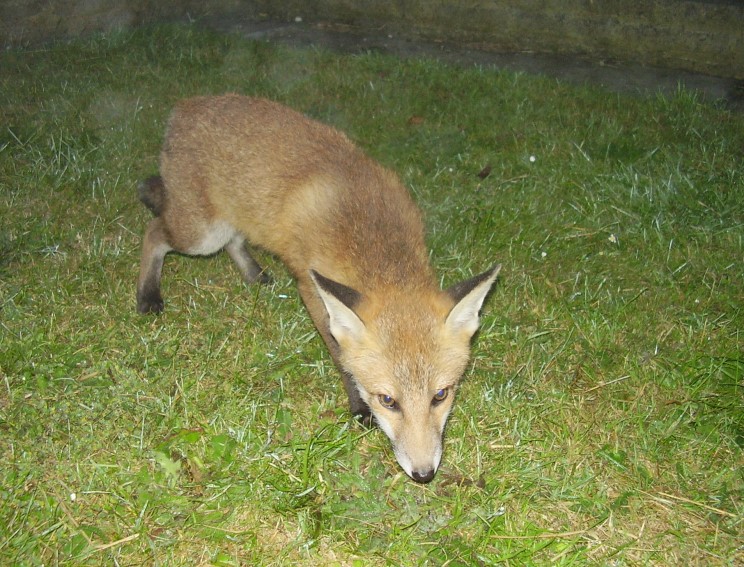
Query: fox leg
x=359, y=409
x=319, y=315
x=154, y=248
x=249, y=268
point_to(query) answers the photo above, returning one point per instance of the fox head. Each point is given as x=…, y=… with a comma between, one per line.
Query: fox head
x=406, y=354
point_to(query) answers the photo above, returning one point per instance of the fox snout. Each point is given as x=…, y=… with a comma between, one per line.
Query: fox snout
x=420, y=467
x=424, y=476
x=415, y=426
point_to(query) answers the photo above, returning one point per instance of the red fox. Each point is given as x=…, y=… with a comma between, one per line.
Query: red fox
x=236, y=169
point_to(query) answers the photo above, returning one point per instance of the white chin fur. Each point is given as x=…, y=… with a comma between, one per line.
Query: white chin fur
x=407, y=466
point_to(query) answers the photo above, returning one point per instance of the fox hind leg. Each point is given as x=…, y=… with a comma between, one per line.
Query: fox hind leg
x=154, y=248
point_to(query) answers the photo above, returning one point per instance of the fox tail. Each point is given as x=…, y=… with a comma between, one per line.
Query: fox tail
x=152, y=194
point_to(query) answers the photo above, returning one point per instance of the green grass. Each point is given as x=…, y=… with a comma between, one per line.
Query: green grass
x=601, y=420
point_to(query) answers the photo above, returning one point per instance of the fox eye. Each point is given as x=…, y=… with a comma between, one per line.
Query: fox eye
x=387, y=401
x=440, y=396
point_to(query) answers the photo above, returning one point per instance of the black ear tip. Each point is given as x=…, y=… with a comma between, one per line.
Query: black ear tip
x=346, y=295
x=460, y=290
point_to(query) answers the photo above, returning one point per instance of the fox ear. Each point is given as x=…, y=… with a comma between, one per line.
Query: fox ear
x=339, y=301
x=469, y=296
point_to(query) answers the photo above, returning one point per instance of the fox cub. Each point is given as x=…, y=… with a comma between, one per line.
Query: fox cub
x=236, y=170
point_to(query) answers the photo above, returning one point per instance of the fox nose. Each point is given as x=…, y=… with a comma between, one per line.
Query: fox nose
x=423, y=477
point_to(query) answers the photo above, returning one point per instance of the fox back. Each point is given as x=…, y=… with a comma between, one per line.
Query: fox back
x=235, y=168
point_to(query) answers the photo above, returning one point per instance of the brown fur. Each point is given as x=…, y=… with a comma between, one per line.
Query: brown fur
x=236, y=168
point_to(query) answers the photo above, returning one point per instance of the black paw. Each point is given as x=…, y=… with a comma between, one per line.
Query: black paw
x=264, y=278
x=365, y=418
x=150, y=304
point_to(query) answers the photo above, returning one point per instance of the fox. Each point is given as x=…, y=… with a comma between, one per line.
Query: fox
x=239, y=173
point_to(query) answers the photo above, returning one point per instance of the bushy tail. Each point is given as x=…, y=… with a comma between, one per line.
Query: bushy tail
x=152, y=194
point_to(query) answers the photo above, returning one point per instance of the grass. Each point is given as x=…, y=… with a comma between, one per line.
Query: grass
x=601, y=420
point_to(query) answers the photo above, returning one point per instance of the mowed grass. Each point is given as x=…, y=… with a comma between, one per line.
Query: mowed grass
x=601, y=420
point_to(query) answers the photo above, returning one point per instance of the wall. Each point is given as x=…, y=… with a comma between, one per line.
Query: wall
x=33, y=21
x=701, y=36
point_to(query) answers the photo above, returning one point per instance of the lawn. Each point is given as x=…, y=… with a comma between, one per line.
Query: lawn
x=600, y=422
